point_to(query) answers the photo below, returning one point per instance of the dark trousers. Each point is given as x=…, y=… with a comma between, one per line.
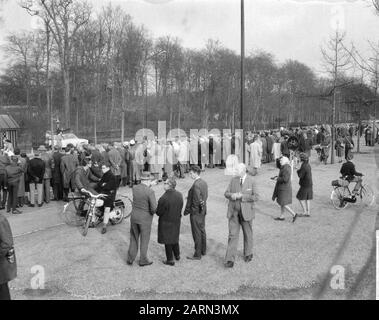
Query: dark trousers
x=199, y=234
x=4, y=191
x=4, y=291
x=171, y=251
x=118, y=181
x=12, y=196
x=58, y=191
x=139, y=233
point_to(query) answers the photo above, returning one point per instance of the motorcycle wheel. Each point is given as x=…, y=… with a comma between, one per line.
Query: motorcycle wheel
x=86, y=225
x=120, y=216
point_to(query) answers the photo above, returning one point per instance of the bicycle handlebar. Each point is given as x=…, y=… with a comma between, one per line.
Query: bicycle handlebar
x=95, y=196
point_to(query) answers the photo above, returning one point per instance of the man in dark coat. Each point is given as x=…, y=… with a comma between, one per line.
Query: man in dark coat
x=197, y=208
x=107, y=185
x=57, y=175
x=36, y=172
x=8, y=266
x=169, y=210
x=144, y=207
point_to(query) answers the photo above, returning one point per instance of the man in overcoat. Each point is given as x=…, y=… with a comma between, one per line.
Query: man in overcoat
x=242, y=194
x=196, y=207
x=8, y=266
x=69, y=163
x=169, y=210
x=56, y=174
x=144, y=207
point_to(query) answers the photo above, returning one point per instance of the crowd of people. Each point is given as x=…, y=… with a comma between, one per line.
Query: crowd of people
x=52, y=174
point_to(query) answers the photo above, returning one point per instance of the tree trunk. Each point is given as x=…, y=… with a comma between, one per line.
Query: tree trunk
x=66, y=97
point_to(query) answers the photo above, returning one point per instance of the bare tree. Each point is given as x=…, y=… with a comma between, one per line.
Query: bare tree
x=376, y=5
x=336, y=61
x=66, y=18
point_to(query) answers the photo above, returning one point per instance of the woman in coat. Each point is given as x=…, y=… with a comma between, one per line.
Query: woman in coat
x=8, y=266
x=170, y=211
x=21, y=185
x=305, y=193
x=283, y=190
x=256, y=153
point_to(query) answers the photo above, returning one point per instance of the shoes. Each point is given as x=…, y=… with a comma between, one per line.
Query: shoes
x=31, y=205
x=103, y=230
x=16, y=211
x=249, y=258
x=146, y=264
x=129, y=263
x=169, y=263
x=40, y=205
x=229, y=264
x=294, y=218
x=177, y=258
x=8, y=210
x=194, y=258
x=2, y=208
x=279, y=219
x=306, y=215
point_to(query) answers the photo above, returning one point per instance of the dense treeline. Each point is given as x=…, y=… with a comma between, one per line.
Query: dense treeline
x=89, y=68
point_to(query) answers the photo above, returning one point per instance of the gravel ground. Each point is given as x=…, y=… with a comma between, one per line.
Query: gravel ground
x=291, y=261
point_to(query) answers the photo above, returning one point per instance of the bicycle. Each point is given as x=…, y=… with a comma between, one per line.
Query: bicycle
x=342, y=196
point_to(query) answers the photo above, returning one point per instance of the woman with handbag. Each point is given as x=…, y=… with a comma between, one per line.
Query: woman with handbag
x=8, y=267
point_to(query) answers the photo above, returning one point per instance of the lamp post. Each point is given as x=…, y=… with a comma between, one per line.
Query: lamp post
x=242, y=76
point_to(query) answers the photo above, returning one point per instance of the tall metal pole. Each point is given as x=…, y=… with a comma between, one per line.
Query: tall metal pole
x=242, y=75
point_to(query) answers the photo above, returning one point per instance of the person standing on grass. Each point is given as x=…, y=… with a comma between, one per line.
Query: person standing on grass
x=242, y=194
x=36, y=172
x=8, y=265
x=196, y=207
x=144, y=207
x=12, y=180
x=169, y=210
x=305, y=193
x=283, y=190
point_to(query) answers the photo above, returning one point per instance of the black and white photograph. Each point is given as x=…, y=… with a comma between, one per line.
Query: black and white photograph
x=211, y=151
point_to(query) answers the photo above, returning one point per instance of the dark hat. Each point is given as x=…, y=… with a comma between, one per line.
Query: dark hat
x=304, y=157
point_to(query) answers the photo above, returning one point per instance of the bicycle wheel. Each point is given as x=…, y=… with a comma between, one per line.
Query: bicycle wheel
x=86, y=225
x=367, y=195
x=70, y=213
x=337, y=196
x=128, y=206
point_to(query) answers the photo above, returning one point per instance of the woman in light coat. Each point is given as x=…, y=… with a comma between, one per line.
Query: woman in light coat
x=256, y=153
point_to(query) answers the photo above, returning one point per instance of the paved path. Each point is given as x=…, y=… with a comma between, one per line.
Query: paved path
x=290, y=260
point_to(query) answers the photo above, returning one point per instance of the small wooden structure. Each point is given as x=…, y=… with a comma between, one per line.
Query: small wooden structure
x=8, y=129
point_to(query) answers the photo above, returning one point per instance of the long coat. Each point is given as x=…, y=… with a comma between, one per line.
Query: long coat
x=21, y=186
x=68, y=165
x=8, y=271
x=169, y=210
x=56, y=171
x=115, y=161
x=256, y=154
x=283, y=188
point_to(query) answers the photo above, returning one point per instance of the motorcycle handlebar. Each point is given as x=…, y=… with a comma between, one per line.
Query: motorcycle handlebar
x=95, y=196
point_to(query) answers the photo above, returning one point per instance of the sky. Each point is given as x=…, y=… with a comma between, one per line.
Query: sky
x=288, y=29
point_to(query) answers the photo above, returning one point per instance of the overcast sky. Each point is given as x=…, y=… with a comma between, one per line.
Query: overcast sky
x=289, y=29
